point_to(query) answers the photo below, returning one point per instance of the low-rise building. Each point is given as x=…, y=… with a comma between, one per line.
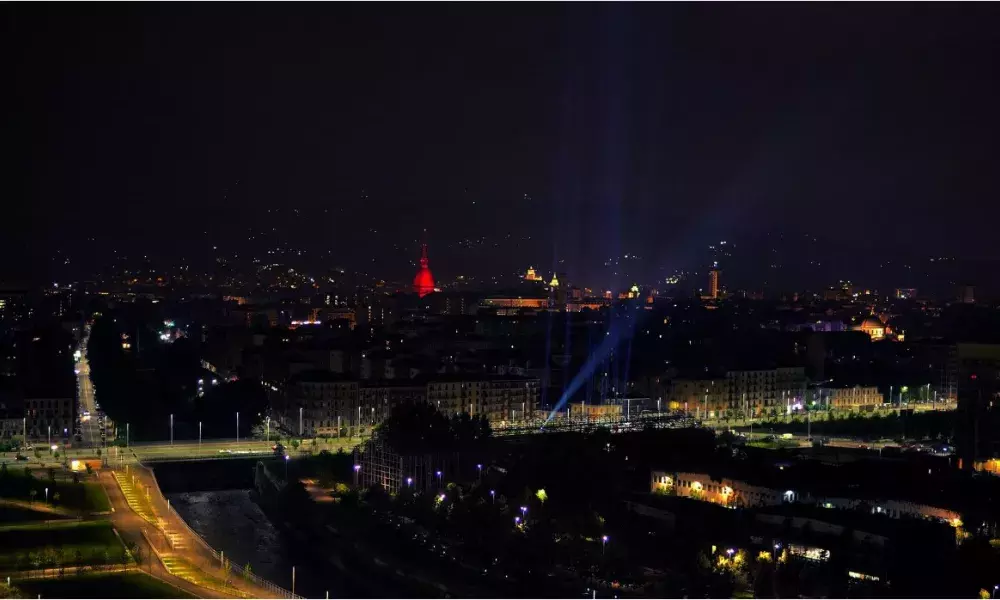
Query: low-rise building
x=852, y=398
x=50, y=418
x=499, y=398
x=321, y=403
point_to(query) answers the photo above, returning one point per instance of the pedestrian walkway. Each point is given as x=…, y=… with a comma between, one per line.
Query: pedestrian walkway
x=183, y=553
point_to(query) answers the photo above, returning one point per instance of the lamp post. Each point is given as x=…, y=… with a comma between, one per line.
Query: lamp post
x=50, y=435
x=356, y=469
x=237, y=428
x=409, y=482
x=46, y=494
x=199, y=436
x=267, y=434
x=604, y=543
x=287, y=458
x=293, y=581
x=300, y=421
x=126, y=434
x=493, y=496
x=171, y=429
x=439, y=477
x=480, y=467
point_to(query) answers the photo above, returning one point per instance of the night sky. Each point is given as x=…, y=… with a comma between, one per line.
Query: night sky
x=515, y=134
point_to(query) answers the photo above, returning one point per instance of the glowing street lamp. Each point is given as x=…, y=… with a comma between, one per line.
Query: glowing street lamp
x=287, y=458
x=524, y=510
x=439, y=477
x=493, y=495
x=356, y=469
x=409, y=481
x=604, y=543
x=480, y=467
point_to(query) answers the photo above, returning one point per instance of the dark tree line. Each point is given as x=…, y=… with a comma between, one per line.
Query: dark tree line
x=144, y=386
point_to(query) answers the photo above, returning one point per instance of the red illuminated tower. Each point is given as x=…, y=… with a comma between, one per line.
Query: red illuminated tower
x=423, y=283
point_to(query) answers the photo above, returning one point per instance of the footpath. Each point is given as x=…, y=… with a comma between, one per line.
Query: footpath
x=183, y=553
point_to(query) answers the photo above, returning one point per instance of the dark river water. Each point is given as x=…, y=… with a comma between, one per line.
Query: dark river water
x=231, y=521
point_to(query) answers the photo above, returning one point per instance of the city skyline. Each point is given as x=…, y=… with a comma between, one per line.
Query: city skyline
x=559, y=138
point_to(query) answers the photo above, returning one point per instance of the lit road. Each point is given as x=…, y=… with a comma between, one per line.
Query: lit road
x=210, y=449
x=89, y=428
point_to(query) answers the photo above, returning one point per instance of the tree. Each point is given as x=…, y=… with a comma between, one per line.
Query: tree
x=124, y=559
x=33, y=493
x=55, y=497
x=98, y=452
x=247, y=573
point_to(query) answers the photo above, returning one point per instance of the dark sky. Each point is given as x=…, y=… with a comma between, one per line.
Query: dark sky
x=514, y=133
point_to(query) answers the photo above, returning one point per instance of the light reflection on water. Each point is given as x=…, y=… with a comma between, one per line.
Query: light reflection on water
x=231, y=521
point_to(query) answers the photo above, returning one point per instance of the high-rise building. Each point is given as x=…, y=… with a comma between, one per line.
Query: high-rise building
x=713, y=284
x=423, y=283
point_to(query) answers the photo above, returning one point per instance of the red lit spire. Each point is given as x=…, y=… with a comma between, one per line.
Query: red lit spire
x=423, y=283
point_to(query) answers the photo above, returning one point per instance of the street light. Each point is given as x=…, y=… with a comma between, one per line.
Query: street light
x=172, y=429
x=493, y=495
x=480, y=467
x=356, y=469
x=409, y=481
x=524, y=510
x=439, y=477
x=237, y=428
x=46, y=494
x=287, y=458
x=604, y=543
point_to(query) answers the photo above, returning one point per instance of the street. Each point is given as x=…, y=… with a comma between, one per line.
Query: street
x=89, y=427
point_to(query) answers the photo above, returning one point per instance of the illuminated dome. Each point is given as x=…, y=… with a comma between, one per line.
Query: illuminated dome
x=423, y=283
x=555, y=281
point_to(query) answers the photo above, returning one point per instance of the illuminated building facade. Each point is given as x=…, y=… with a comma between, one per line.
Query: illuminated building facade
x=423, y=283
x=498, y=398
x=532, y=275
x=713, y=284
x=850, y=398
x=873, y=327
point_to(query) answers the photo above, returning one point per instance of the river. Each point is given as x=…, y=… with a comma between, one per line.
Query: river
x=230, y=520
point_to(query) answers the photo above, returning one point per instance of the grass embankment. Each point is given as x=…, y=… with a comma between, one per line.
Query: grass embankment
x=100, y=585
x=12, y=515
x=47, y=545
x=81, y=496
